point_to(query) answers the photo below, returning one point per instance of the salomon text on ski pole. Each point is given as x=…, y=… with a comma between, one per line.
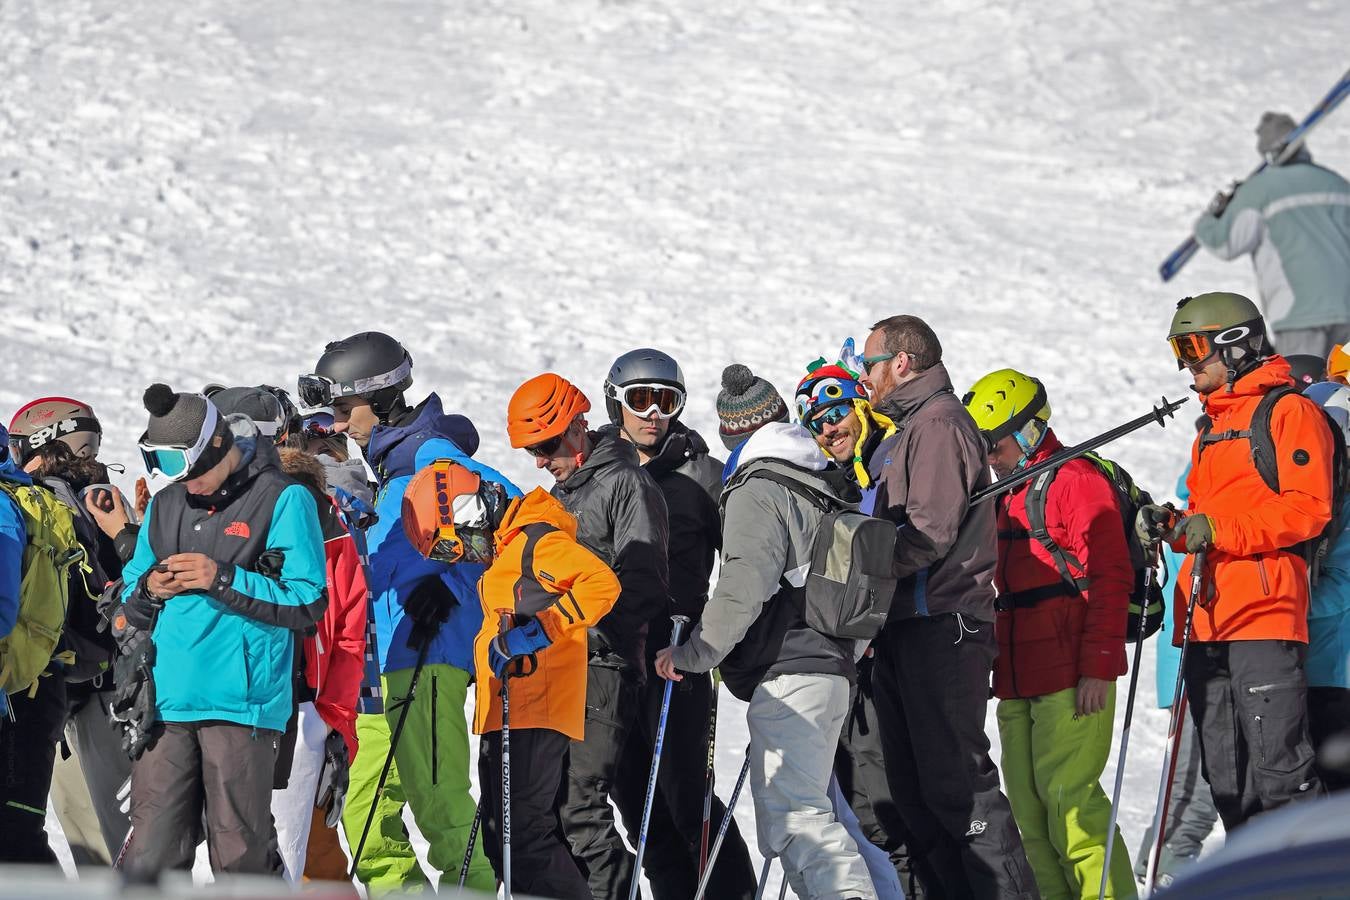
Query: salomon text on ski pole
x=1178, y=721
x=679, y=623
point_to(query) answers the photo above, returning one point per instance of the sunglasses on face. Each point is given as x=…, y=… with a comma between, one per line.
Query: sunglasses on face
x=869, y=361
x=643, y=399
x=831, y=416
x=547, y=448
x=318, y=425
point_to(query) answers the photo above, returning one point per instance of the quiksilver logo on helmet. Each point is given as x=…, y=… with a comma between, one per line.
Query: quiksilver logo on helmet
x=1232, y=335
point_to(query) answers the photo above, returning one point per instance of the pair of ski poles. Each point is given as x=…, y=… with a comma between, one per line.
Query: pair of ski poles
x=1174, y=731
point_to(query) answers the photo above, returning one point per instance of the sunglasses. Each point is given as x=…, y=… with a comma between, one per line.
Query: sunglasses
x=643, y=399
x=832, y=415
x=869, y=361
x=1191, y=349
x=546, y=448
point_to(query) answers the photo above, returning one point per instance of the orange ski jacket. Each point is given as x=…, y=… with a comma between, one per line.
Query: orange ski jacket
x=541, y=572
x=1257, y=581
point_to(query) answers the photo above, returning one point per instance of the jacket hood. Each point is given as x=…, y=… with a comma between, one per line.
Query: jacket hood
x=784, y=441
x=304, y=468
x=348, y=484
x=681, y=445
x=9, y=469
x=427, y=418
x=536, y=506
x=1271, y=374
x=607, y=450
x=914, y=393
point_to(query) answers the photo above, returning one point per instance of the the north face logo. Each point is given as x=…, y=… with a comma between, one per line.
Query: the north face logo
x=237, y=529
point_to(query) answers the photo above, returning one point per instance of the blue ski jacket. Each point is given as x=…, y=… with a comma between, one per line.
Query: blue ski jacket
x=1329, y=616
x=1169, y=657
x=13, y=538
x=396, y=453
x=228, y=653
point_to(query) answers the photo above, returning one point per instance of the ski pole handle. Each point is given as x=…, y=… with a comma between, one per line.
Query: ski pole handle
x=678, y=630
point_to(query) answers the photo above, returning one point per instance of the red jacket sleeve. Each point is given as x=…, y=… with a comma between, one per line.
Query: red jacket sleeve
x=347, y=605
x=1086, y=503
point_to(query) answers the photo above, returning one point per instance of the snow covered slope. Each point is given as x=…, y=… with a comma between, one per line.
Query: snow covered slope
x=208, y=191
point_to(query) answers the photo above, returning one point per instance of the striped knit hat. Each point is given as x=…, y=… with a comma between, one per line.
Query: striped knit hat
x=746, y=402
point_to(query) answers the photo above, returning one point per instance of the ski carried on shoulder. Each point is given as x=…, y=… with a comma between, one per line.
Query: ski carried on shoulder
x=1182, y=255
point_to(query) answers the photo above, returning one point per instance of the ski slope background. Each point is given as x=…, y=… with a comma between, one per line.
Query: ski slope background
x=209, y=191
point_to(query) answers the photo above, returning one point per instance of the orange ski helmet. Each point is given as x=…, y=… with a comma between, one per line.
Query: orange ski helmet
x=542, y=408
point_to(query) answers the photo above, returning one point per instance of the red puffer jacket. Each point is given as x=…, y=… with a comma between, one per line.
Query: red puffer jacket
x=335, y=654
x=1046, y=646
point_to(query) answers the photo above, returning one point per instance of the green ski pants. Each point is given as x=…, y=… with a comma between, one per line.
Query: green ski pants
x=1052, y=767
x=387, y=862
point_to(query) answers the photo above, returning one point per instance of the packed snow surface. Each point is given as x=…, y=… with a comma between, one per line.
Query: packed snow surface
x=209, y=191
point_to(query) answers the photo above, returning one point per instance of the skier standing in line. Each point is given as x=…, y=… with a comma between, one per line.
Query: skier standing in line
x=1061, y=644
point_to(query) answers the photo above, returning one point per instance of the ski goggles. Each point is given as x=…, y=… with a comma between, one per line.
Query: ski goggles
x=318, y=425
x=445, y=516
x=175, y=461
x=1191, y=349
x=831, y=415
x=320, y=390
x=644, y=399
x=546, y=448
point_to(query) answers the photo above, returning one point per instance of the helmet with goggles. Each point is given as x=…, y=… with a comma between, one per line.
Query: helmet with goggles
x=826, y=387
x=644, y=381
x=450, y=514
x=1219, y=323
x=1008, y=402
x=371, y=365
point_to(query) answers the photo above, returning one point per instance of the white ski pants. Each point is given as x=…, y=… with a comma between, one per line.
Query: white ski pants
x=293, y=806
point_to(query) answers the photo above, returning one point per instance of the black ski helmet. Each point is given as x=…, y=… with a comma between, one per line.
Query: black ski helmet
x=370, y=364
x=1306, y=369
x=641, y=366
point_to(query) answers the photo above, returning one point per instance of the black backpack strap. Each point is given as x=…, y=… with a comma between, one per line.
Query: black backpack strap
x=1065, y=562
x=821, y=500
x=1258, y=435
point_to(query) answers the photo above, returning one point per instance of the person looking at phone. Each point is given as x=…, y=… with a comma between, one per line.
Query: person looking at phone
x=228, y=564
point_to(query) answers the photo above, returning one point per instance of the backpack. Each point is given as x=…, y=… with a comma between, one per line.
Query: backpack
x=850, y=583
x=44, y=590
x=1265, y=459
x=1146, y=599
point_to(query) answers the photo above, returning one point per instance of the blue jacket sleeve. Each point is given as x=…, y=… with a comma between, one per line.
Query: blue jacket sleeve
x=13, y=538
x=138, y=605
x=440, y=448
x=299, y=598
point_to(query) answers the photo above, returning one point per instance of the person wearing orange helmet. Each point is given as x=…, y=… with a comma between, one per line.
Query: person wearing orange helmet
x=621, y=518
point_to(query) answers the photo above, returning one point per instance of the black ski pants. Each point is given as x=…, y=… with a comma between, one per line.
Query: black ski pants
x=1329, y=716
x=541, y=864
x=860, y=769
x=612, y=703
x=931, y=678
x=28, y=755
x=1250, y=703
x=675, y=832
x=217, y=768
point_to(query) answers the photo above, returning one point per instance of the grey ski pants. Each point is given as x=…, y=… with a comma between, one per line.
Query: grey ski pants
x=794, y=723
x=222, y=769
x=1190, y=813
x=85, y=785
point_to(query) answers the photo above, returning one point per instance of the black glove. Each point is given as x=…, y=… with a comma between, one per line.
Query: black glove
x=1196, y=530
x=333, y=779
x=428, y=606
x=1153, y=522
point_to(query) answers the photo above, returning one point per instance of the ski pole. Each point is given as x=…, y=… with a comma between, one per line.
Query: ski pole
x=1159, y=414
x=763, y=877
x=389, y=759
x=680, y=622
x=1125, y=731
x=1178, y=721
x=782, y=888
x=468, y=851
x=507, y=619
x=722, y=829
x=708, y=779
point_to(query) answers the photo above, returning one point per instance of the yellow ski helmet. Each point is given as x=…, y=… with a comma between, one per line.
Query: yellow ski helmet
x=1003, y=402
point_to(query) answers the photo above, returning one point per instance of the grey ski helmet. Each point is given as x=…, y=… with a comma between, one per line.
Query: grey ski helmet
x=370, y=364
x=641, y=366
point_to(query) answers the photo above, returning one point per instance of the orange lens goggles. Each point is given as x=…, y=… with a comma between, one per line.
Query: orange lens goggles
x=1191, y=348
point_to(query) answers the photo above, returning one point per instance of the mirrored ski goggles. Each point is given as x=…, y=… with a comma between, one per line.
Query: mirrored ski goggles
x=831, y=415
x=175, y=461
x=320, y=390
x=318, y=425
x=644, y=399
x=1191, y=349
